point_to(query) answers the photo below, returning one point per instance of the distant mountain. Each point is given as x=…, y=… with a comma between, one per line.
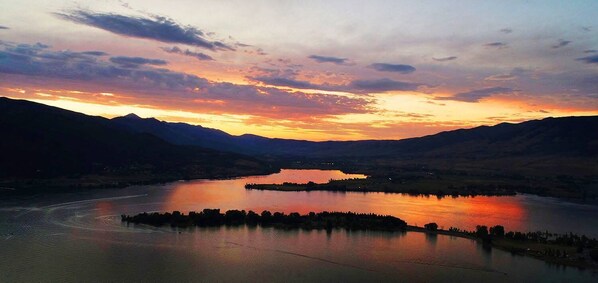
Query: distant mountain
x=567, y=136
x=39, y=141
x=43, y=142
x=180, y=133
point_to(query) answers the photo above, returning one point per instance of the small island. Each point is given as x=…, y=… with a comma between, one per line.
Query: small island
x=562, y=249
x=323, y=220
x=388, y=185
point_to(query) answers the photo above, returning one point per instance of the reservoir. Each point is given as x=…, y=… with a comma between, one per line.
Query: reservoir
x=77, y=237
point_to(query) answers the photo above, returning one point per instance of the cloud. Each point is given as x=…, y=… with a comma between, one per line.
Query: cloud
x=444, y=59
x=476, y=95
x=329, y=59
x=382, y=85
x=135, y=62
x=355, y=86
x=593, y=59
x=561, y=43
x=500, y=77
x=155, y=28
x=3, y=27
x=197, y=55
x=590, y=51
x=95, y=53
x=28, y=64
x=287, y=82
x=499, y=45
x=506, y=30
x=397, y=68
x=37, y=60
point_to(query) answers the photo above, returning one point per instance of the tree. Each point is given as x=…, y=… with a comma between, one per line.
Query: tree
x=498, y=231
x=431, y=226
x=481, y=231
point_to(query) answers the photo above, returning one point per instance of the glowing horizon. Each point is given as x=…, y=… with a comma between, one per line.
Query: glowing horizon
x=337, y=70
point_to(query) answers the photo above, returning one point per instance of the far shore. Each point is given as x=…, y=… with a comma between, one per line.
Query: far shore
x=447, y=186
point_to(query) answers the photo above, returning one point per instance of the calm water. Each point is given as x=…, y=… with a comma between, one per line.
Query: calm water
x=79, y=237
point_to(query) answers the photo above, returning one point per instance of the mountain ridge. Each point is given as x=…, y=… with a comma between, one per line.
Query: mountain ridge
x=426, y=145
x=40, y=141
x=54, y=146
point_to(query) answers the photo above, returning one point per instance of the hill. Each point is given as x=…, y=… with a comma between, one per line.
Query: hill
x=561, y=138
x=552, y=156
x=43, y=142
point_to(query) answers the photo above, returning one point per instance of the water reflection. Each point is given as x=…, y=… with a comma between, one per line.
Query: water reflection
x=521, y=212
x=79, y=236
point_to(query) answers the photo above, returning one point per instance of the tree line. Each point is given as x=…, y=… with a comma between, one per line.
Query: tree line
x=322, y=220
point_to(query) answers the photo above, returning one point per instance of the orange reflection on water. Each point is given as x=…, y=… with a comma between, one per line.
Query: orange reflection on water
x=462, y=212
x=230, y=194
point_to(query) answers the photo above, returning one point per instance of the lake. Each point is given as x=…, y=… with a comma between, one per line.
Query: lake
x=79, y=237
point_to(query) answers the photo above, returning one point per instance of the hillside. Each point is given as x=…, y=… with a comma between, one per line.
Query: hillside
x=557, y=156
x=565, y=137
x=41, y=142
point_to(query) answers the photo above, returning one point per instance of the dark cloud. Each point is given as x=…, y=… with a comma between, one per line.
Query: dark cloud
x=176, y=89
x=273, y=72
x=136, y=62
x=586, y=28
x=397, y=68
x=187, y=52
x=329, y=59
x=499, y=45
x=37, y=60
x=506, y=30
x=355, y=86
x=382, y=85
x=590, y=51
x=95, y=53
x=155, y=28
x=444, y=59
x=593, y=59
x=476, y=95
x=3, y=27
x=561, y=43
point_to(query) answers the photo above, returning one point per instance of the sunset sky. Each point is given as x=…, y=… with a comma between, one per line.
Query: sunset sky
x=317, y=70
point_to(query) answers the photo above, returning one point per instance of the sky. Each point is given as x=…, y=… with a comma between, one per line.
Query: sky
x=316, y=70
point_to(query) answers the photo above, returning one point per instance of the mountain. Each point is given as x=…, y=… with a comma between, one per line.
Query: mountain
x=537, y=151
x=40, y=141
x=180, y=133
x=567, y=136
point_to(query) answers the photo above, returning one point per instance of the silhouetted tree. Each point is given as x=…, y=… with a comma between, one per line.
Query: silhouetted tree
x=481, y=231
x=498, y=231
x=431, y=226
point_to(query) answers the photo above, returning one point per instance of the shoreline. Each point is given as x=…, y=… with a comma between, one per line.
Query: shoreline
x=514, y=247
x=93, y=182
x=439, y=188
x=551, y=252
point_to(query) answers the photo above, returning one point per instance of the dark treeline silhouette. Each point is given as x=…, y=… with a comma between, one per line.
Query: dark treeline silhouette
x=566, y=249
x=387, y=186
x=580, y=242
x=322, y=220
x=431, y=226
